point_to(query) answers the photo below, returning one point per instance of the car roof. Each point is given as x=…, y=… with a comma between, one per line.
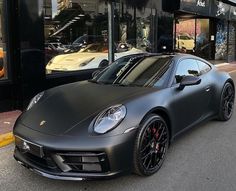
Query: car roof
x=174, y=55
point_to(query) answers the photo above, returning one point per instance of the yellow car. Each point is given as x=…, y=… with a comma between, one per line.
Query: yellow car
x=185, y=42
x=1, y=64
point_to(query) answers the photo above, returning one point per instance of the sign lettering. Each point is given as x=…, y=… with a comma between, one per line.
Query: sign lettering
x=201, y=3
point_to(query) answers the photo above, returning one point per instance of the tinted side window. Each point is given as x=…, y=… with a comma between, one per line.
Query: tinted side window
x=187, y=67
x=203, y=67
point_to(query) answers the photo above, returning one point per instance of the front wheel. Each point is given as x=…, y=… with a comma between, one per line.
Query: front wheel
x=151, y=145
x=226, y=102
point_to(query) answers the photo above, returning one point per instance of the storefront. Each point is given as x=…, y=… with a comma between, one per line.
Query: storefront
x=205, y=28
x=46, y=43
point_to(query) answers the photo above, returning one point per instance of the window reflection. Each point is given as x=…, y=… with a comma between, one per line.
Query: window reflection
x=76, y=32
x=192, y=36
x=185, y=35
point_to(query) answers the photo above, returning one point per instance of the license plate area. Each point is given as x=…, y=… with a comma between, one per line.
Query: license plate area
x=29, y=147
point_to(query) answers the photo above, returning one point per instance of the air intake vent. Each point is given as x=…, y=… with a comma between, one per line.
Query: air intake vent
x=85, y=162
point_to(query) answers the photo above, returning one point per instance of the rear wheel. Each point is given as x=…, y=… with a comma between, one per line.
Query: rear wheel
x=151, y=145
x=227, y=102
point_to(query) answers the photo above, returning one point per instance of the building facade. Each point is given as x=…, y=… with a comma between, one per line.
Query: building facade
x=208, y=24
x=42, y=40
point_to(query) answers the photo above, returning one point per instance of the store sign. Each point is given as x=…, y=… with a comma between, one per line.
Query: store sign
x=201, y=3
x=195, y=6
x=223, y=9
x=220, y=10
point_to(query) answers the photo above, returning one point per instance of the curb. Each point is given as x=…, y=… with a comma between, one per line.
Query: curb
x=6, y=139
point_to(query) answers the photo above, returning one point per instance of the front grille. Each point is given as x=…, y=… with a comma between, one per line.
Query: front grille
x=69, y=162
x=86, y=162
x=45, y=163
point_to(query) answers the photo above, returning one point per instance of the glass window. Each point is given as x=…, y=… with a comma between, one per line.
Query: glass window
x=76, y=32
x=140, y=27
x=192, y=36
x=3, y=63
x=185, y=35
x=185, y=68
x=203, y=45
x=76, y=35
x=162, y=80
x=203, y=67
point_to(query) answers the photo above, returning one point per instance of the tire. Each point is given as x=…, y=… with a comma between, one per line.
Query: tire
x=226, y=102
x=149, y=153
x=103, y=64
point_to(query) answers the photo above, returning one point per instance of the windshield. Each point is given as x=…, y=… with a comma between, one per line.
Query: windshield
x=184, y=37
x=93, y=48
x=136, y=71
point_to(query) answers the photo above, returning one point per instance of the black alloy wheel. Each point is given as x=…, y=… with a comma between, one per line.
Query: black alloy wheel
x=227, y=102
x=151, y=145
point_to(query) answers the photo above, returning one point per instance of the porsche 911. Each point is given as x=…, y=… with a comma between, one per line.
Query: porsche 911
x=123, y=120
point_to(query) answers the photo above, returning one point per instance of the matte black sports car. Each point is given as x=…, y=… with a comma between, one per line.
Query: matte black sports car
x=122, y=120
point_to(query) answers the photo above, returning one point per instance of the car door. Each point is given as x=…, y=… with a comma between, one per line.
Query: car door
x=208, y=84
x=188, y=105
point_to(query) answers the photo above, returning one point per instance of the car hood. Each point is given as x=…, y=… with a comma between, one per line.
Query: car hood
x=75, y=106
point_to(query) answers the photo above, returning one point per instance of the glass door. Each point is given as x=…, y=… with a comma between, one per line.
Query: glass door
x=203, y=44
x=185, y=35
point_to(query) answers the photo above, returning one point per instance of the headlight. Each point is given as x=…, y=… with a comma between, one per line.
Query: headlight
x=109, y=119
x=35, y=100
x=86, y=62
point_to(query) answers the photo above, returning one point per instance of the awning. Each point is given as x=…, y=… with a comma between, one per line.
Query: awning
x=209, y=8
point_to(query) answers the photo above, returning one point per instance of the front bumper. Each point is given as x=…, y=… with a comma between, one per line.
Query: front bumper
x=61, y=175
x=109, y=156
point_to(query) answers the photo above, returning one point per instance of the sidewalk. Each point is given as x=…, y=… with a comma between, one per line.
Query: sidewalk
x=7, y=121
x=227, y=67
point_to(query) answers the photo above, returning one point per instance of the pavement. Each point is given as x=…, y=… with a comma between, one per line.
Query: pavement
x=230, y=68
x=7, y=121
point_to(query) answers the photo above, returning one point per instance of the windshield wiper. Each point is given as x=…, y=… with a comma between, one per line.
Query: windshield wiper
x=93, y=81
x=127, y=85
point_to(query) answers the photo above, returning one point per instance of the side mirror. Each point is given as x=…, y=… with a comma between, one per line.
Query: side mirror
x=189, y=81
